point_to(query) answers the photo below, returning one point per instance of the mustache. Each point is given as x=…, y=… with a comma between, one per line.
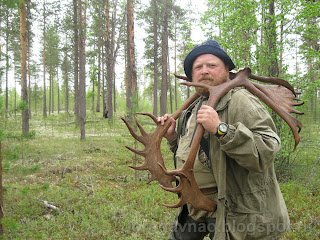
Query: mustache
x=208, y=77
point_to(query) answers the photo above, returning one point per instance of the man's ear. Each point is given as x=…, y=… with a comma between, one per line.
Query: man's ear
x=228, y=71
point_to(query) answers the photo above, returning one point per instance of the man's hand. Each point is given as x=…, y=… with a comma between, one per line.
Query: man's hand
x=208, y=118
x=171, y=132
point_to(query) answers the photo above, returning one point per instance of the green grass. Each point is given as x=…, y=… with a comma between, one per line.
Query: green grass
x=100, y=197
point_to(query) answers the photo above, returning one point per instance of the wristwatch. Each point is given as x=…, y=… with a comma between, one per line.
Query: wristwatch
x=222, y=129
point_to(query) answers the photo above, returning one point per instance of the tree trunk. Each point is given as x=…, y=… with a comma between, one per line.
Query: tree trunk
x=1, y=191
x=170, y=85
x=103, y=85
x=92, y=97
x=82, y=70
x=175, y=68
x=44, y=63
x=35, y=97
x=76, y=58
x=29, y=73
x=271, y=38
x=58, y=91
x=50, y=91
x=155, y=57
x=66, y=91
x=7, y=63
x=164, y=81
x=114, y=90
x=131, y=65
x=24, y=84
x=109, y=110
x=66, y=83
x=99, y=81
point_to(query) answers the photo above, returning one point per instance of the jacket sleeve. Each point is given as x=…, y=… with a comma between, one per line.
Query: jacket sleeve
x=252, y=140
x=173, y=145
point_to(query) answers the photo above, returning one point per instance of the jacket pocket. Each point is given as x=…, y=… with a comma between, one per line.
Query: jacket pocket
x=250, y=226
x=250, y=202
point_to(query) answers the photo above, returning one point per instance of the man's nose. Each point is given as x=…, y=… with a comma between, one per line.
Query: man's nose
x=204, y=70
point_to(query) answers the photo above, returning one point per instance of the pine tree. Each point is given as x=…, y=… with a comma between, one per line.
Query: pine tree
x=24, y=85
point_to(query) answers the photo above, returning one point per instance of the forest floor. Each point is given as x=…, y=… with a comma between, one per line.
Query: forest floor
x=58, y=187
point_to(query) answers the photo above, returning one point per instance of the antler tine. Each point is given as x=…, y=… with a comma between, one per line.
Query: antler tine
x=298, y=104
x=274, y=80
x=142, y=131
x=139, y=152
x=190, y=192
x=280, y=100
x=181, y=77
x=132, y=132
x=154, y=118
x=296, y=111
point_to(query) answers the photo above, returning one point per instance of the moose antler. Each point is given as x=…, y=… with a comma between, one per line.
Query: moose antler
x=152, y=141
x=278, y=98
x=188, y=187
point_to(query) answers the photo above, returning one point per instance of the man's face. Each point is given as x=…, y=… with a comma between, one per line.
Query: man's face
x=209, y=69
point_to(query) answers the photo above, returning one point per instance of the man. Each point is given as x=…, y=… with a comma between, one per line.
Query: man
x=235, y=163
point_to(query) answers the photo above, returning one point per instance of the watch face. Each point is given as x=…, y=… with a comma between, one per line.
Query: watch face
x=223, y=128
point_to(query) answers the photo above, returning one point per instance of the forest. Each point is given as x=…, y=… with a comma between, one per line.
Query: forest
x=71, y=69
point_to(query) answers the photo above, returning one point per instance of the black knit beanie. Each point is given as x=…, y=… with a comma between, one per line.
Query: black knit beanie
x=208, y=47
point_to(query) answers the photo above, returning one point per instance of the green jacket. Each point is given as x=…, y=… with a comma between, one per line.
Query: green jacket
x=250, y=204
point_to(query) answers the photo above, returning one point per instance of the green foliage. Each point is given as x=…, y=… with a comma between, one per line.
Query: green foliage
x=90, y=94
x=52, y=48
x=11, y=3
x=10, y=223
x=30, y=134
x=12, y=153
x=304, y=207
x=22, y=106
x=237, y=24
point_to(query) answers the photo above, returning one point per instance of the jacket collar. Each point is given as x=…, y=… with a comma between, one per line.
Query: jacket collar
x=224, y=100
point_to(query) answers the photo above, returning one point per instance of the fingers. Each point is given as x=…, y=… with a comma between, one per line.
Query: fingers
x=205, y=108
x=208, y=117
x=171, y=132
x=173, y=124
x=206, y=112
x=163, y=118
